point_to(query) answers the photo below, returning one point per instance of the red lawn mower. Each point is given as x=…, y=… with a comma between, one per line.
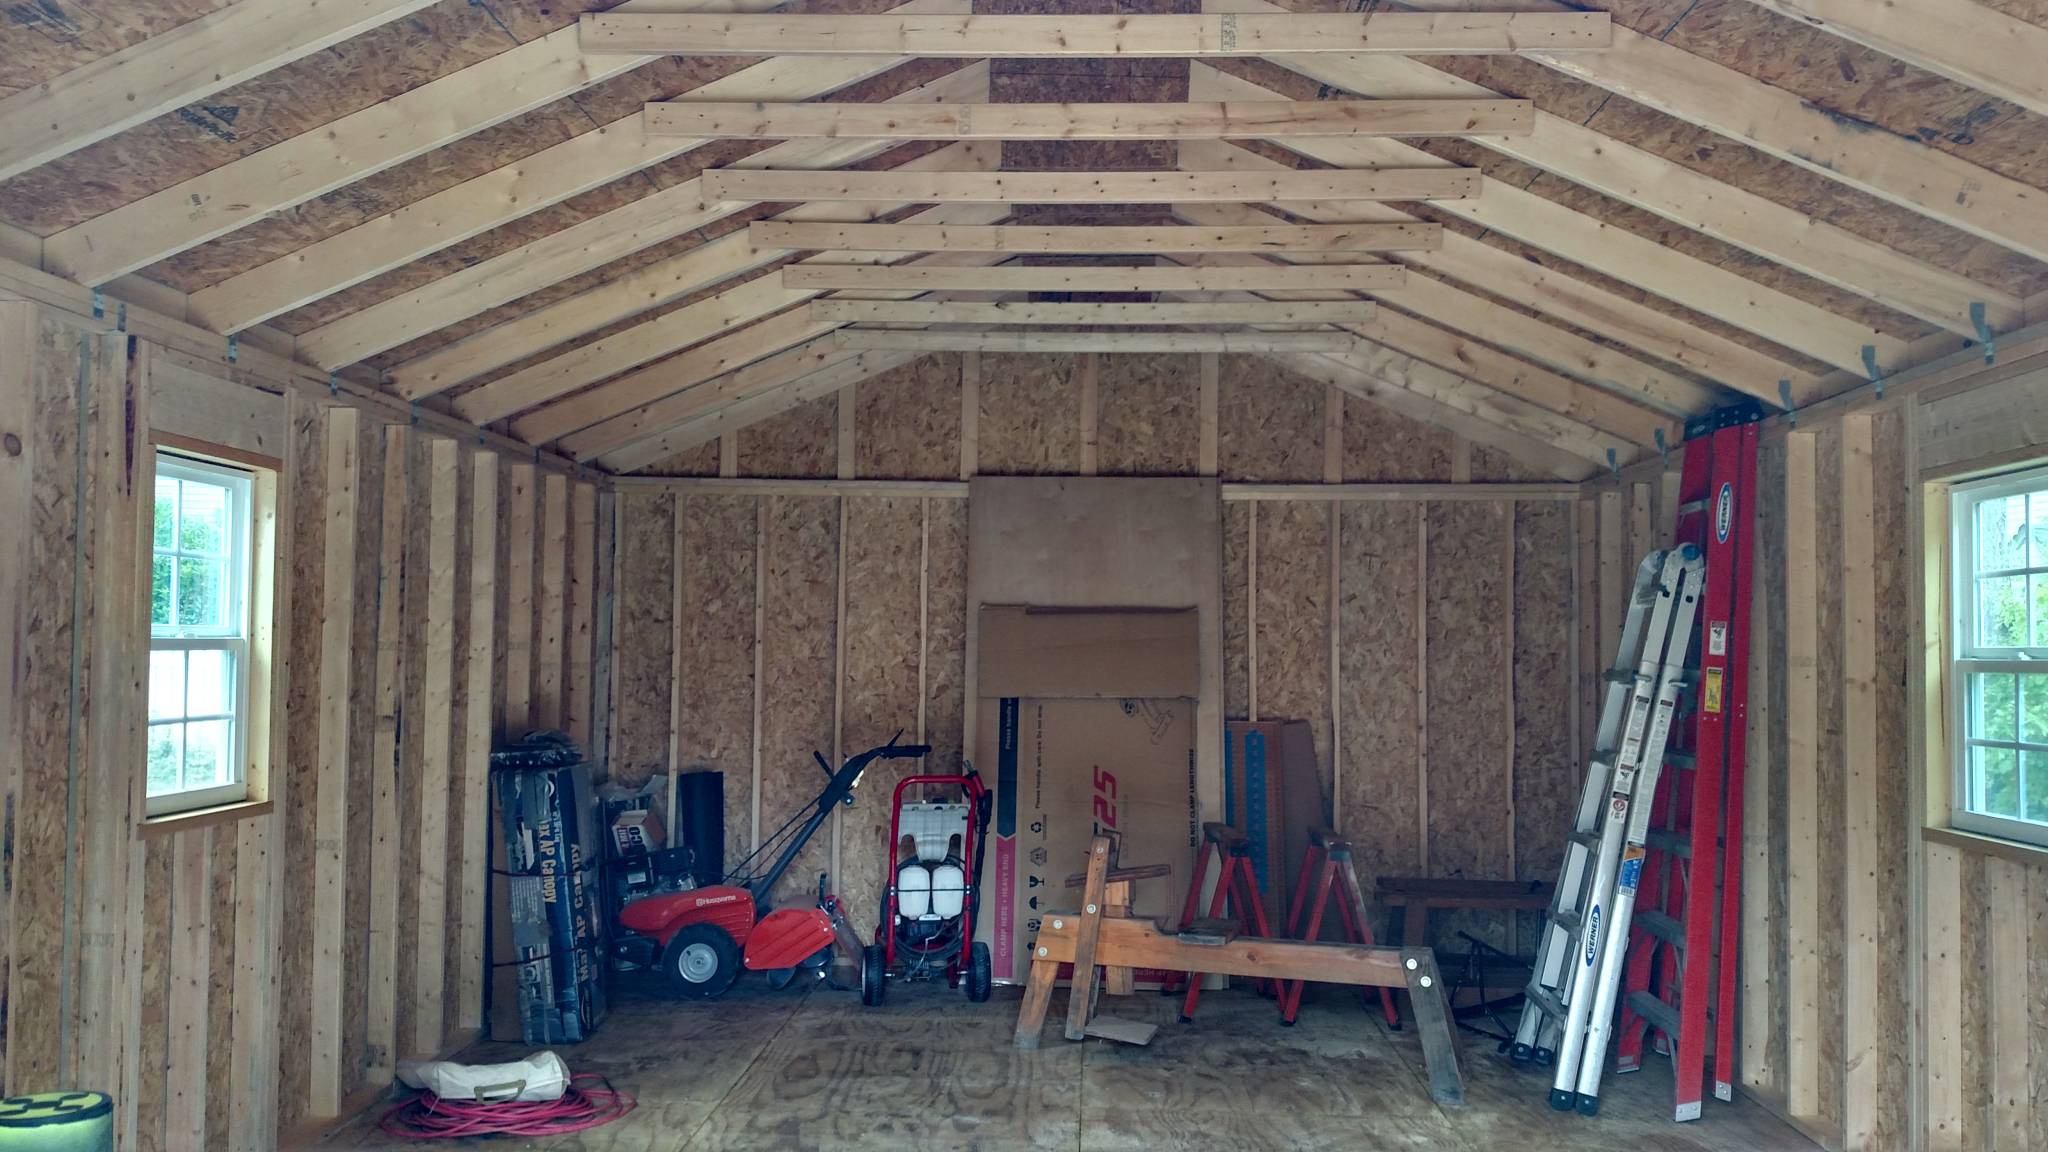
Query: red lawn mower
x=928, y=910
x=702, y=938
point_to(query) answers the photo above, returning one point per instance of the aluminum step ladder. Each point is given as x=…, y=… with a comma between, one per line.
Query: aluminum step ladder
x=1550, y=981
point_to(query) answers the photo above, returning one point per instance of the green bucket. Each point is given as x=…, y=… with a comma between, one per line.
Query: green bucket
x=57, y=1122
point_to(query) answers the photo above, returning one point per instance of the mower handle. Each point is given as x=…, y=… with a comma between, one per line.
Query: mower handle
x=906, y=751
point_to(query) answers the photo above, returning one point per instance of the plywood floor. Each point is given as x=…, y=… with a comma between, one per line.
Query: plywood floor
x=803, y=1070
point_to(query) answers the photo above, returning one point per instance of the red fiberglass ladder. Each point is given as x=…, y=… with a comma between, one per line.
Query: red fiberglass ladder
x=1682, y=956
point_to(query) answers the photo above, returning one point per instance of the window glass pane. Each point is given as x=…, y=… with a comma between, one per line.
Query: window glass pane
x=203, y=519
x=166, y=685
x=1998, y=781
x=160, y=590
x=166, y=519
x=2039, y=596
x=200, y=584
x=2033, y=705
x=209, y=754
x=2001, y=611
x=2001, y=533
x=2036, y=772
x=166, y=749
x=211, y=685
x=1995, y=707
x=2038, y=532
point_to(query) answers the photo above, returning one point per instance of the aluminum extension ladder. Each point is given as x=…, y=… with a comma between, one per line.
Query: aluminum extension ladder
x=1576, y=981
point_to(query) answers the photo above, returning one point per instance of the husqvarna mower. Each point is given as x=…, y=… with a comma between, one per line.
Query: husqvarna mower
x=703, y=937
x=926, y=928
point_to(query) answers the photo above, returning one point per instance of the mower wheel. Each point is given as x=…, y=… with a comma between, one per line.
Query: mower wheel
x=874, y=975
x=780, y=978
x=701, y=961
x=980, y=972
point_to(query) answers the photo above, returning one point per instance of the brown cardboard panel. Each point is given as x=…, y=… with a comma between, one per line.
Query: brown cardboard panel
x=1064, y=769
x=1078, y=654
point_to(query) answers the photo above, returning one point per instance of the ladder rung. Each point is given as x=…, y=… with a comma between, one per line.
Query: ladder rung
x=1663, y=1017
x=1691, y=506
x=1670, y=842
x=1619, y=676
x=1684, y=760
x=1663, y=927
x=1568, y=920
x=1545, y=999
x=1587, y=839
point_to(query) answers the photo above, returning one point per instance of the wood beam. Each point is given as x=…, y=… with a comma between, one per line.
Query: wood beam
x=164, y=73
x=1188, y=120
x=638, y=291
x=1028, y=278
x=560, y=375
x=841, y=311
x=1635, y=260
x=1091, y=187
x=505, y=193
x=341, y=152
x=754, y=408
x=581, y=247
x=1975, y=46
x=1029, y=340
x=1645, y=180
x=1104, y=239
x=1117, y=36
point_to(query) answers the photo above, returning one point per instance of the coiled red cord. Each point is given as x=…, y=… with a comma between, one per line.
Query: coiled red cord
x=589, y=1102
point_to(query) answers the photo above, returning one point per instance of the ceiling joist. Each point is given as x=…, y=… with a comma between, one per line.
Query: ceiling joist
x=1188, y=120
x=1080, y=35
x=1166, y=187
x=1101, y=239
x=1037, y=278
x=1032, y=340
x=1102, y=313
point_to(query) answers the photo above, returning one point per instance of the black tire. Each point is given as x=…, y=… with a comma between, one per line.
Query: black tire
x=780, y=978
x=980, y=973
x=874, y=975
x=701, y=961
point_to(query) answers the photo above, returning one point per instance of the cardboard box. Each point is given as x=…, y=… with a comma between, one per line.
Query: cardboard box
x=638, y=832
x=1068, y=755
x=547, y=954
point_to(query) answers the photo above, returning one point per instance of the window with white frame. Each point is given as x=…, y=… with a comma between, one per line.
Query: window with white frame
x=199, y=625
x=2000, y=676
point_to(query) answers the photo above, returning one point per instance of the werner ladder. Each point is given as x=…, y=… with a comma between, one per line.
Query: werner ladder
x=1550, y=982
x=1680, y=971
x=1586, y=1010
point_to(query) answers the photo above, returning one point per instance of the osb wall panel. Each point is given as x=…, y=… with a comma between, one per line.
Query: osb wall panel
x=1293, y=626
x=1269, y=423
x=308, y=559
x=1382, y=447
x=645, y=602
x=1468, y=794
x=907, y=421
x=1547, y=775
x=1030, y=415
x=802, y=442
x=1148, y=416
x=715, y=574
x=945, y=649
x=884, y=559
x=371, y=478
x=699, y=461
x=798, y=638
x=1378, y=613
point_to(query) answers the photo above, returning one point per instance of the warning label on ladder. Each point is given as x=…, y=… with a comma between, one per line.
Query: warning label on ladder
x=1710, y=694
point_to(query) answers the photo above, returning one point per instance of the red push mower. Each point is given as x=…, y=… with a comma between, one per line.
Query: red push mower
x=928, y=910
x=702, y=938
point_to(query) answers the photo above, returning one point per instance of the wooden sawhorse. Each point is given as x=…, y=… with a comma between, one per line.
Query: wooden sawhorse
x=1088, y=938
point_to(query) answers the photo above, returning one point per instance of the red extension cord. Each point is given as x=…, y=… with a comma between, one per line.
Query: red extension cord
x=428, y=1117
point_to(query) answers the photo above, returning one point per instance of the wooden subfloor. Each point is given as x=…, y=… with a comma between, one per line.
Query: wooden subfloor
x=801, y=1070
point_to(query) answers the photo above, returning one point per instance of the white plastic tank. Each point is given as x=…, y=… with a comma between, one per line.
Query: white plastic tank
x=913, y=891
x=948, y=890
